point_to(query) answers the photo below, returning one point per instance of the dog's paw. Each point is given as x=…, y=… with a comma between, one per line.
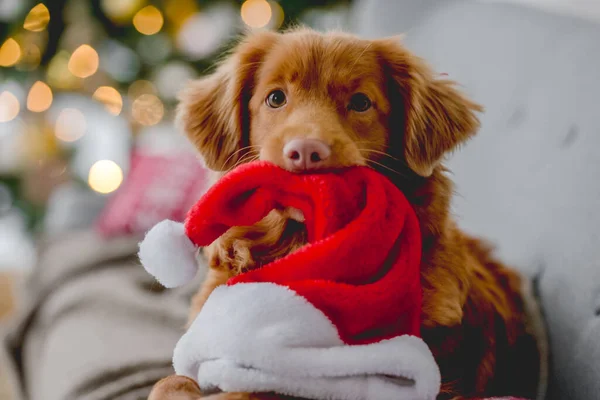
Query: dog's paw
x=175, y=387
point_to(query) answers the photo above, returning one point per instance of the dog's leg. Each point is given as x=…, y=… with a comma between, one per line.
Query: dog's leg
x=243, y=248
x=176, y=387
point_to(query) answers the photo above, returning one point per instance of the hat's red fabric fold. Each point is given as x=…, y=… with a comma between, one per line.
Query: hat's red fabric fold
x=361, y=266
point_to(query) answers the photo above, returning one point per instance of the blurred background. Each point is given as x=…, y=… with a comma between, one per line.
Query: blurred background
x=90, y=159
x=84, y=82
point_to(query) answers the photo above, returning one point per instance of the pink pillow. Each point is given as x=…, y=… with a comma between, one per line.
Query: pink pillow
x=157, y=187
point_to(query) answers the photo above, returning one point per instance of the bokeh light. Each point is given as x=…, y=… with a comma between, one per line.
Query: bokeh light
x=171, y=78
x=121, y=11
x=256, y=13
x=148, y=21
x=154, y=49
x=10, y=9
x=277, y=15
x=110, y=97
x=138, y=88
x=105, y=176
x=84, y=61
x=58, y=73
x=178, y=11
x=30, y=58
x=147, y=110
x=39, y=98
x=119, y=61
x=205, y=32
x=70, y=125
x=9, y=106
x=37, y=19
x=10, y=53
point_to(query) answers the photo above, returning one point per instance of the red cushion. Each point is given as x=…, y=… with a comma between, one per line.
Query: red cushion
x=157, y=187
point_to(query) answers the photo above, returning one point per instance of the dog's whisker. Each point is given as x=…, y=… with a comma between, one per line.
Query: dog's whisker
x=249, y=157
x=383, y=153
x=386, y=167
x=232, y=155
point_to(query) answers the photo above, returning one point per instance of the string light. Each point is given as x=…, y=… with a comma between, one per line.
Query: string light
x=256, y=13
x=70, y=125
x=31, y=57
x=110, y=97
x=148, y=21
x=84, y=61
x=37, y=19
x=277, y=15
x=147, y=110
x=178, y=11
x=58, y=72
x=121, y=11
x=138, y=88
x=9, y=106
x=39, y=98
x=105, y=176
x=10, y=53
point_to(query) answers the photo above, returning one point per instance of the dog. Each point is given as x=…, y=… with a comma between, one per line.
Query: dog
x=308, y=101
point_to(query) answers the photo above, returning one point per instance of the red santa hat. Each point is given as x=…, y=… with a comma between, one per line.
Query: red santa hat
x=360, y=268
x=338, y=318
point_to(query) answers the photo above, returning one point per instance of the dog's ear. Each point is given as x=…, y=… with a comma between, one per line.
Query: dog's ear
x=213, y=111
x=436, y=116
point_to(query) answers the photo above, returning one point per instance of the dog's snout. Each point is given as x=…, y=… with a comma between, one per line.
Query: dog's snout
x=305, y=154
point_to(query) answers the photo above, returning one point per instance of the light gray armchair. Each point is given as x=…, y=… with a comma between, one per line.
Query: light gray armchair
x=530, y=181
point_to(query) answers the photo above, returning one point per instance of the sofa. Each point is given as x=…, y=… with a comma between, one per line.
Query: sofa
x=530, y=180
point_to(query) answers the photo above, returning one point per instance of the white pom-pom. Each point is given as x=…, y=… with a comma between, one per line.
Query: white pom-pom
x=168, y=254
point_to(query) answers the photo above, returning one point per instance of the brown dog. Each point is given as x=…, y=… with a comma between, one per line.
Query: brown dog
x=305, y=101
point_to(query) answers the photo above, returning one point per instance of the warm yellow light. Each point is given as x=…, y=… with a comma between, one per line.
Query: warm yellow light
x=121, y=11
x=9, y=106
x=84, y=61
x=30, y=58
x=148, y=21
x=58, y=72
x=111, y=99
x=105, y=176
x=70, y=125
x=256, y=13
x=138, y=88
x=147, y=109
x=10, y=53
x=39, y=98
x=37, y=19
x=277, y=15
x=178, y=11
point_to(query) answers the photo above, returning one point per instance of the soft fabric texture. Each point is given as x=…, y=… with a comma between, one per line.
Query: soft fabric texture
x=352, y=293
x=157, y=186
x=94, y=326
x=279, y=342
x=529, y=180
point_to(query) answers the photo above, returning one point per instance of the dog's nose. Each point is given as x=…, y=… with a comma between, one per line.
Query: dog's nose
x=305, y=154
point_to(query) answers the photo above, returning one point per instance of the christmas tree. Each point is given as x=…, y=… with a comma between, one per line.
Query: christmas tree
x=68, y=66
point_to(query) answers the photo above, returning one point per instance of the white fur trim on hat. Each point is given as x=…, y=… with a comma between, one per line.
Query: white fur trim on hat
x=168, y=254
x=263, y=337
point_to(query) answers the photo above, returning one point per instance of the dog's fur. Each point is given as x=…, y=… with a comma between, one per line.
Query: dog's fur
x=474, y=316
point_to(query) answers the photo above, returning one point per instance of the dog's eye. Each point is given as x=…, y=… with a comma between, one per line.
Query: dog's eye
x=276, y=99
x=359, y=102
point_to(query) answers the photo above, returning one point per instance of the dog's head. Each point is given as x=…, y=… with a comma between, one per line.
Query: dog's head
x=306, y=100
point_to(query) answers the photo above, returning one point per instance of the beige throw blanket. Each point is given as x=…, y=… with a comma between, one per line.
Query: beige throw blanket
x=95, y=325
